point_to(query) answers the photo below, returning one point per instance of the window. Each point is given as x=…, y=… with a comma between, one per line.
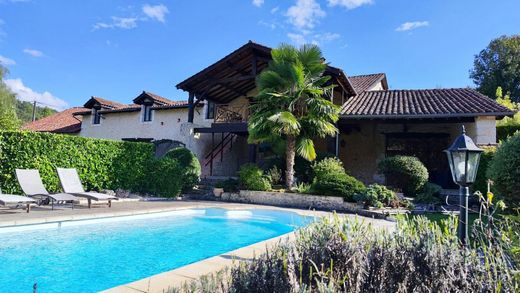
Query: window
x=147, y=113
x=96, y=117
x=211, y=110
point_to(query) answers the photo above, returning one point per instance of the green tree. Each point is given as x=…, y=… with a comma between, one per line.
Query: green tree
x=498, y=65
x=8, y=118
x=506, y=102
x=291, y=104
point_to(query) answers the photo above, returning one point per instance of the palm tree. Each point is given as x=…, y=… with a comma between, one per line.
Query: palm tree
x=293, y=103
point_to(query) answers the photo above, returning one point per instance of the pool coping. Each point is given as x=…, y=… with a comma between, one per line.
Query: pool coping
x=176, y=277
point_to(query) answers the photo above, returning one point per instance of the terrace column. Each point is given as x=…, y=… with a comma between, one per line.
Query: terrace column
x=191, y=107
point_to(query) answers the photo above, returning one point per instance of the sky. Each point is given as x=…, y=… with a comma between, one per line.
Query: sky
x=61, y=52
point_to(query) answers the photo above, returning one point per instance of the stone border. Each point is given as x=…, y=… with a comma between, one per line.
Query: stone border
x=301, y=201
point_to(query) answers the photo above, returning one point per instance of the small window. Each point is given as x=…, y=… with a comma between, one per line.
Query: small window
x=147, y=113
x=211, y=110
x=96, y=117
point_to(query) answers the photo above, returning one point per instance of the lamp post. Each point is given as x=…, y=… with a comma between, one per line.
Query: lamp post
x=463, y=157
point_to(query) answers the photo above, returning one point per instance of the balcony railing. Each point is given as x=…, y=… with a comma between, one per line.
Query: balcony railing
x=225, y=113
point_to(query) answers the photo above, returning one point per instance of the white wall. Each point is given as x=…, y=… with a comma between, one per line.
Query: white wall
x=166, y=124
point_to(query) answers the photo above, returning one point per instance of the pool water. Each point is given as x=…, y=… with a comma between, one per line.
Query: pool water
x=93, y=255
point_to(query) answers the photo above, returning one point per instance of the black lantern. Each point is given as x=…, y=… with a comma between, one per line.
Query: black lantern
x=463, y=157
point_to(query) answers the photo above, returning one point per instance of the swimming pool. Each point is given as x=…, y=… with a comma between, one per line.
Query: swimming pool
x=93, y=255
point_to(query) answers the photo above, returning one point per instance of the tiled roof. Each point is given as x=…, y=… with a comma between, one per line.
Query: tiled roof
x=61, y=122
x=362, y=83
x=156, y=98
x=107, y=104
x=137, y=108
x=432, y=103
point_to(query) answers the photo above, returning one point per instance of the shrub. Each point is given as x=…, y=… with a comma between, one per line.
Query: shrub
x=190, y=166
x=405, y=173
x=229, y=185
x=161, y=185
x=482, y=178
x=330, y=179
x=101, y=164
x=430, y=193
x=504, y=170
x=252, y=178
x=275, y=175
x=303, y=187
x=377, y=195
x=344, y=255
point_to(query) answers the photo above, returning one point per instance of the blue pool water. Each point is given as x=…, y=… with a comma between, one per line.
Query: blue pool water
x=88, y=256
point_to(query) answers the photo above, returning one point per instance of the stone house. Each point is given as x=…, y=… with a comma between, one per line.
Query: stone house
x=375, y=121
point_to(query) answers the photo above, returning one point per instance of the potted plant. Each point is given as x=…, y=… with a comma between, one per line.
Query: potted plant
x=218, y=189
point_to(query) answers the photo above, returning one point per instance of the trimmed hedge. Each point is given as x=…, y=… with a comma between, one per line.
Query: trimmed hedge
x=190, y=166
x=485, y=159
x=330, y=179
x=405, y=173
x=101, y=164
x=504, y=170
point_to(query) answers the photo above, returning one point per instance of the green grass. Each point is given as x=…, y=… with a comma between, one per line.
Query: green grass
x=438, y=217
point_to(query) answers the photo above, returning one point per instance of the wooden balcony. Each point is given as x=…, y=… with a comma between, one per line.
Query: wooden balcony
x=225, y=113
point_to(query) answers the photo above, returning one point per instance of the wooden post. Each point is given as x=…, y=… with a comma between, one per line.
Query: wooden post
x=211, y=155
x=191, y=107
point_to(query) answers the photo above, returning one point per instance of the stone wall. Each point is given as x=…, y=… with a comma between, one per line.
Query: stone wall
x=293, y=200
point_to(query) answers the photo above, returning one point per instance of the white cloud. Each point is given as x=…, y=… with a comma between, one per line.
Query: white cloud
x=271, y=25
x=33, y=52
x=274, y=10
x=308, y=38
x=411, y=25
x=25, y=93
x=6, y=61
x=297, y=39
x=350, y=4
x=118, y=22
x=157, y=12
x=305, y=14
x=258, y=3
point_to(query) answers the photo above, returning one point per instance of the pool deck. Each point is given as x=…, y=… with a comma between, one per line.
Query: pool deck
x=173, y=278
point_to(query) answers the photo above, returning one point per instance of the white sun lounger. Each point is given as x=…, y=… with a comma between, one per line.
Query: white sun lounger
x=71, y=183
x=32, y=185
x=10, y=199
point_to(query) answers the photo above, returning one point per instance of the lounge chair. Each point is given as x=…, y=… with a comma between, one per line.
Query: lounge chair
x=32, y=185
x=71, y=183
x=10, y=199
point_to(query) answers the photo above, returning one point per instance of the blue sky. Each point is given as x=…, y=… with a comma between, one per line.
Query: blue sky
x=62, y=52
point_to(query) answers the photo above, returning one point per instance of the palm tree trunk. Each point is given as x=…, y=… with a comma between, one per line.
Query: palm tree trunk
x=290, y=153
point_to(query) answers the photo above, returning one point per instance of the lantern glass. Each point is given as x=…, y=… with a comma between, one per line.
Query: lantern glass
x=473, y=160
x=457, y=160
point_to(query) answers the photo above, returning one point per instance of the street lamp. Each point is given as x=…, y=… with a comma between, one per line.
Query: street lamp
x=463, y=157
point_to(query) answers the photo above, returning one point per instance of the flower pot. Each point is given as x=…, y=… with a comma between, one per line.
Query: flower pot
x=217, y=192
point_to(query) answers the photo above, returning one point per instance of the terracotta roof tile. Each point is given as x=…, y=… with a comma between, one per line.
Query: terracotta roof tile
x=61, y=122
x=429, y=103
x=362, y=83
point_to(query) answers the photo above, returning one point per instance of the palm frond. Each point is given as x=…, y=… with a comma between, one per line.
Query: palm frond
x=305, y=149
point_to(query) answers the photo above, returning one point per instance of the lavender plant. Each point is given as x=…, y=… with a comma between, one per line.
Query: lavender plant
x=343, y=255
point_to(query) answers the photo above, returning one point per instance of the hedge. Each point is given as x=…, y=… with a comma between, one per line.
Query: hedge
x=504, y=170
x=482, y=178
x=101, y=164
